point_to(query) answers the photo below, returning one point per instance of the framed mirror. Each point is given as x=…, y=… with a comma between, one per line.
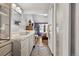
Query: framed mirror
x=4, y=21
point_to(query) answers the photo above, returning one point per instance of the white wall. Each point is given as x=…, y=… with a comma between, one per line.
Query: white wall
x=22, y=24
x=28, y=17
x=14, y=27
x=63, y=34
x=40, y=18
x=51, y=28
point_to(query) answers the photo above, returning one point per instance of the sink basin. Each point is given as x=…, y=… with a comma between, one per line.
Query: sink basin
x=19, y=35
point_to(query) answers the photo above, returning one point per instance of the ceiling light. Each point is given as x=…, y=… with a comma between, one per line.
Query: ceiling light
x=13, y=5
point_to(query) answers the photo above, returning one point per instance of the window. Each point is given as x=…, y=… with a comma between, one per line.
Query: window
x=43, y=27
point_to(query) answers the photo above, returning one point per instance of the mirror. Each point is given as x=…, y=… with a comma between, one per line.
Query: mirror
x=4, y=21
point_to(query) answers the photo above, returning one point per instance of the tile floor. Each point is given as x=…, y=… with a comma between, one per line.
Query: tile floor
x=41, y=49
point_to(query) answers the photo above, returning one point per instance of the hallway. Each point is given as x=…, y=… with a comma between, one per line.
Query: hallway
x=41, y=49
x=51, y=28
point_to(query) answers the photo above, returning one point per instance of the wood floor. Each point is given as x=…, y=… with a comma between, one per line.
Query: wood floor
x=41, y=49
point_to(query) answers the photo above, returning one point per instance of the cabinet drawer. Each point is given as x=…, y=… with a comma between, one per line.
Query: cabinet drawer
x=4, y=50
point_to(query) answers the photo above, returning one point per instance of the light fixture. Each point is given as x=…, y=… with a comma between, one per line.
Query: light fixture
x=14, y=6
x=19, y=10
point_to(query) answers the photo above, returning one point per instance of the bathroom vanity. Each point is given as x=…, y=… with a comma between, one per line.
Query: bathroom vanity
x=23, y=43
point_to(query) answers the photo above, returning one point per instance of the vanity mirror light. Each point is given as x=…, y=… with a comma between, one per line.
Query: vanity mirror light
x=16, y=8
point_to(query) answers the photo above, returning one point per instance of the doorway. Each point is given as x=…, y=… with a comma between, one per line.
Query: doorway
x=41, y=31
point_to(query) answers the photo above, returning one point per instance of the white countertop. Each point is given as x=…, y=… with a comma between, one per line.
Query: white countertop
x=20, y=36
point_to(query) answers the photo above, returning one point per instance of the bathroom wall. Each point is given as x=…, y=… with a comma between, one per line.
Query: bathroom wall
x=28, y=17
x=40, y=18
x=36, y=18
x=51, y=28
x=16, y=17
x=22, y=24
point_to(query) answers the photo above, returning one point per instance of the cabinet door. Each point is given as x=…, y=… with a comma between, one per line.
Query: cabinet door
x=24, y=47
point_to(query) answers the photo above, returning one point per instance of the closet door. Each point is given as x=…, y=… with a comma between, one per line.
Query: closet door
x=63, y=29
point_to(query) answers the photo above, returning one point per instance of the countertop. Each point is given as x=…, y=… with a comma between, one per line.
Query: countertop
x=20, y=36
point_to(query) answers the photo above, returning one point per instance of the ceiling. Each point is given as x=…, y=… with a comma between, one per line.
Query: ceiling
x=35, y=7
x=38, y=9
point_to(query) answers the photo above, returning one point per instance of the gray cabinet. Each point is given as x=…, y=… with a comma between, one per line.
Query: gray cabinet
x=22, y=45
